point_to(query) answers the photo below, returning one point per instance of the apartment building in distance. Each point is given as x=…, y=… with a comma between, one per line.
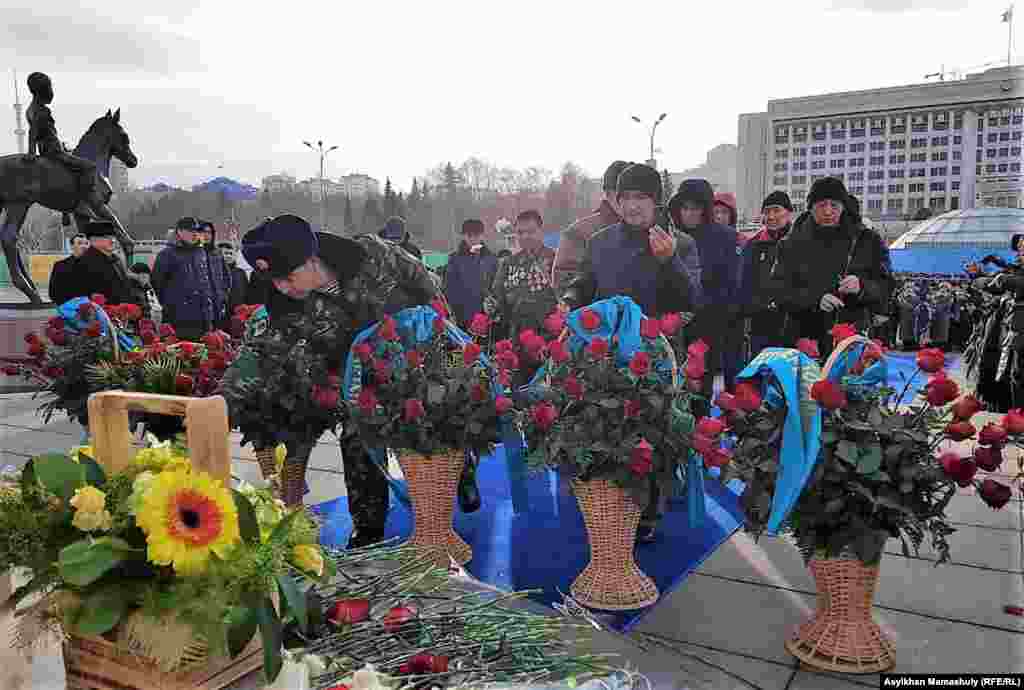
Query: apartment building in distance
x=941, y=145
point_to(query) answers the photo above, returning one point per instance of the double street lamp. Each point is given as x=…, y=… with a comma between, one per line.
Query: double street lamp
x=319, y=148
x=654, y=128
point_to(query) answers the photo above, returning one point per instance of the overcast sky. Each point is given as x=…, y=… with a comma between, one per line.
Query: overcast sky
x=401, y=86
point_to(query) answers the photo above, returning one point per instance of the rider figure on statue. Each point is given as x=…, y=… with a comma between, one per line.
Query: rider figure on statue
x=43, y=139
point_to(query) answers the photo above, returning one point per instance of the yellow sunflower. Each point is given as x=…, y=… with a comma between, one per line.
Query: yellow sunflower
x=186, y=518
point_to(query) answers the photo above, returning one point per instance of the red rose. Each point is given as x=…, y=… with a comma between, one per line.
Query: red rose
x=440, y=308
x=642, y=458
x=695, y=385
x=53, y=372
x=381, y=370
x=398, y=617
x=698, y=349
x=631, y=409
x=808, y=347
x=960, y=431
x=527, y=337
x=941, y=390
x=873, y=351
x=93, y=330
x=704, y=445
x=650, y=328
x=57, y=337
x=504, y=379
x=573, y=387
x=718, y=457
x=1013, y=421
x=414, y=359
x=931, y=360
x=131, y=312
x=988, y=458
x=966, y=407
x=237, y=327
x=186, y=350
x=85, y=310
x=167, y=331
x=711, y=427
x=326, y=397
x=218, y=361
x=412, y=410
x=554, y=324
x=348, y=611
x=157, y=350
x=502, y=405
x=439, y=326
x=829, y=395
x=994, y=494
x=366, y=401
x=31, y=338
x=56, y=323
x=842, y=331
x=961, y=470
x=640, y=364
x=97, y=298
x=507, y=359
x=363, y=351
x=183, y=384
x=504, y=346
x=558, y=352
x=148, y=338
x=992, y=435
x=590, y=319
x=727, y=402
x=671, y=323
x=147, y=325
x=695, y=369
x=214, y=342
x=533, y=344
x=544, y=415
x=388, y=329
x=480, y=325
x=470, y=353
x=11, y=371
x=598, y=348
x=748, y=398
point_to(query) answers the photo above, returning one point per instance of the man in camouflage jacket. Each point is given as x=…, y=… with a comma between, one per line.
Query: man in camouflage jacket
x=345, y=285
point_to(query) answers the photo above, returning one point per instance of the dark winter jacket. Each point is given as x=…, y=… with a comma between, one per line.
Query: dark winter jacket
x=96, y=272
x=191, y=293
x=521, y=295
x=62, y=280
x=573, y=243
x=239, y=288
x=618, y=261
x=812, y=260
x=466, y=280
x=759, y=290
x=406, y=243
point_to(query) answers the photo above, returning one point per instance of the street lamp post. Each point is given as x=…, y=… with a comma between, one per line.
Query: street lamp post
x=319, y=148
x=654, y=128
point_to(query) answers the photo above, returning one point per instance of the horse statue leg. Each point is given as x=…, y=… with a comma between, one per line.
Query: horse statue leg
x=20, y=276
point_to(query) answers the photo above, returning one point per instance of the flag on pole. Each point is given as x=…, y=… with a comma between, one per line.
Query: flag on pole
x=1008, y=15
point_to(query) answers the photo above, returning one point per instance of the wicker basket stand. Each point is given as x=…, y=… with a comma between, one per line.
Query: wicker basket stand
x=612, y=581
x=432, y=483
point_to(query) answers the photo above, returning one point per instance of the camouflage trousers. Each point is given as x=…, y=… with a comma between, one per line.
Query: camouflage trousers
x=369, y=495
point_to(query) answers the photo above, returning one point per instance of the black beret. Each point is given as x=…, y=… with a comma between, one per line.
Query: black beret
x=280, y=245
x=187, y=223
x=100, y=228
x=778, y=198
x=828, y=188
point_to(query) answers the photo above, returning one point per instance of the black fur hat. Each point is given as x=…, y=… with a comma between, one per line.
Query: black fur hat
x=640, y=178
x=279, y=245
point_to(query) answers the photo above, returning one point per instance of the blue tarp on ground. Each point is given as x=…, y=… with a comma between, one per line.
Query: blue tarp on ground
x=945, y=260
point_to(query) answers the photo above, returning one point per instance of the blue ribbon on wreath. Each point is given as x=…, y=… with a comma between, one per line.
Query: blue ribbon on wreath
x=69, y=312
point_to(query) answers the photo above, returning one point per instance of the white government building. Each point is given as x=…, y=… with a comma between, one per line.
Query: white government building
x=942, y=145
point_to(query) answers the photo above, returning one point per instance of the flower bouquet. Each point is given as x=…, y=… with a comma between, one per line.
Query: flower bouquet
x=619, y=423
x=881, y=473
x=284, y=388
x=406, y=395
x=154, y=569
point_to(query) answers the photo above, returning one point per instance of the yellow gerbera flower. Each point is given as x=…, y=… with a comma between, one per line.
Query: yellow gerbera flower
x=186, y=518
x=87, y=451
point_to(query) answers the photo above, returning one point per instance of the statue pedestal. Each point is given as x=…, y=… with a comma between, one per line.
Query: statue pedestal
x=18, y=319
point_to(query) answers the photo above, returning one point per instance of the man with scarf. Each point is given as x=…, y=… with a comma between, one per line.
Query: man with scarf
x=638, y=258
x=765, y=324
x=831, y=269
x=191, y=294
x=346, y=285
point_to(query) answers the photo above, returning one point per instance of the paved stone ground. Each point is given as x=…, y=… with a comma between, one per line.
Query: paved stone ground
x=727, y=623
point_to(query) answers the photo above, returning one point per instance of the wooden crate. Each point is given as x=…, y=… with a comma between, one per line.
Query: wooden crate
x=94, y=663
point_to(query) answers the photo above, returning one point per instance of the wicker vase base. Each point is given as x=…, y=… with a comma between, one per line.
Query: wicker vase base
x=267, y=459
x=841, y=636
x=432, y=485
x=612, y=581
x=293, y=481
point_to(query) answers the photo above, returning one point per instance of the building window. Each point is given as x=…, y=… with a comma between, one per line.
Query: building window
x=954, y=170
x=817, y=150
x=876, y=174
x=1003, y=152
x=817, y=165
x=1004, y=136
x=877, y=160
x=958, y=122
x=918, y=157
x=954, y=203
x=800, y=137
x=878, y=146
x=800, y=152
x=838, y=148
x=1018, y=119
x=957, y=140
x=938, y=204
x=993, y=138
x=916, y=172
x=779, y=181
x=940, y=141
x=977, y=170
x=940, y=155
x=799, y=165
x=1015, y=167
x=896, y=159
x=1004, y=167
x=818, y=136
x=876, y=188
x=939, y=171
x=896, y=173
x=1017, y=136
x=779, y=167
x=990, y=167
x=954, y=185
x=916, y=203
x=856, y=162
x=937, y=186
x=798, y=179
x=874, y=204
x=858, y=176
x=895, y=189
x=958, y=155
x=879, y=131
x=857, y=190
x=919, y=127
x=857, y=148
x=895, y=205
x=990, y=153
x=815, y=178
x=856, y=133
x=981, y=140
x=916, y=188
x=782, y=153
x=838, y=133
x=919, y=143
x=898, y=144
x=837, y=163
x=1015, y=151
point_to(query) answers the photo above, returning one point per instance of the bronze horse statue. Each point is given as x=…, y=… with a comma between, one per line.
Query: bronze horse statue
x=27, y=180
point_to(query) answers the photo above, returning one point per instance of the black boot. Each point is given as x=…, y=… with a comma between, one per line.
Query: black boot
x=469, y=493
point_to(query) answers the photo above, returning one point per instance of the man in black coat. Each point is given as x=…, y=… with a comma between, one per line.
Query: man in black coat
x=766, y=324
x=239, y=281
x=62, y=281
x=100, y=270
